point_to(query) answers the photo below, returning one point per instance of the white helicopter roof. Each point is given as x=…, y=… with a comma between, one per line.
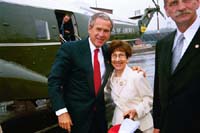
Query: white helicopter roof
x=67, y=5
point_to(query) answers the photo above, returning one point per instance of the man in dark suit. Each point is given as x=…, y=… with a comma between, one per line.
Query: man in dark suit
x=71, y=85
x=66, y=29
x=176, y=106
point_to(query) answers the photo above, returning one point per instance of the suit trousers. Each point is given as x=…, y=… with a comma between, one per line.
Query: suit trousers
x=96, y=126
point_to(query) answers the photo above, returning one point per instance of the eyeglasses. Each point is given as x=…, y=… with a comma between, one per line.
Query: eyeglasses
x=119, y=56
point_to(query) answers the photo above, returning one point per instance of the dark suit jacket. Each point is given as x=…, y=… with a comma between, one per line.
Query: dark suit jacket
x=73, y=71
x=176, y=107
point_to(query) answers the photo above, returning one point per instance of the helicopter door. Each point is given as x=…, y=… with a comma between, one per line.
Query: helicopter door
x=75, y=25
x=68, y=28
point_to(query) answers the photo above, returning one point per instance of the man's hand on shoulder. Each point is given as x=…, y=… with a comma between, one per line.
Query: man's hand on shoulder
x=139, y=69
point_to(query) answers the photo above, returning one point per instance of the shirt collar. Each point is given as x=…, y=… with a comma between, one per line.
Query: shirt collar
x=191, y=31
x=92, y=46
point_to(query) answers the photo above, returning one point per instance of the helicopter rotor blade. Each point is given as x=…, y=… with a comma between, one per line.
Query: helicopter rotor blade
x=156, y=5
x=161, y=13
x=158, y=9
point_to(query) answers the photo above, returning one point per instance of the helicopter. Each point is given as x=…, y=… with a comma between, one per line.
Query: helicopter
x=29, y=40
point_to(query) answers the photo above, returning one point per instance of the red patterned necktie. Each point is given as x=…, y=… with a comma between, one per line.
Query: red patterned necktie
x=97, y=73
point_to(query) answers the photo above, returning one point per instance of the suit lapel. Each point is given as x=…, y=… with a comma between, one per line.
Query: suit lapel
x=167, y=50
x=189, y=56
x=189, y=53
x=108, y=67
x=87, y=59
x=164, y=54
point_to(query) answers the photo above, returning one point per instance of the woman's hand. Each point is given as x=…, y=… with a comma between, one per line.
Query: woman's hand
x=131, y=114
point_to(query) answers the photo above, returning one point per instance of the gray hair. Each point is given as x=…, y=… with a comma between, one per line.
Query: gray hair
x=99, y=15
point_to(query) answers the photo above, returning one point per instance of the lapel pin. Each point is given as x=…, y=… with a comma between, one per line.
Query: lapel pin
x=196, y=46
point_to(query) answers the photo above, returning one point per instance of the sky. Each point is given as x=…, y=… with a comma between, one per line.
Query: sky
x=127, y=8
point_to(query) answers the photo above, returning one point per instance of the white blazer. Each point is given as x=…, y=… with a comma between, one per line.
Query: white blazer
x=132, y=91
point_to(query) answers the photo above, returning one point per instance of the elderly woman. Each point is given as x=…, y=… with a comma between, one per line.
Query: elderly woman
x=130, y=90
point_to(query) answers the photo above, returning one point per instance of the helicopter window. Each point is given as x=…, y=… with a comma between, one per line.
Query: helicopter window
x=42, y=29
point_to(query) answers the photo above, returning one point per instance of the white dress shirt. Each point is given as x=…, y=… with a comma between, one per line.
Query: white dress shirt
x=198, y=11
x=188, y=34
x=100, y=58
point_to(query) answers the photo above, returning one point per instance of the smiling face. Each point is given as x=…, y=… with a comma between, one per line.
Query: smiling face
x=120, y=52
x=119, y=60
x=183, y=12
x=100, y=32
